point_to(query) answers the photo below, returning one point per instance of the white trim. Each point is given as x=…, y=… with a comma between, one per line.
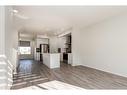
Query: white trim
x=3, y=84
x=9, y=85
x=2, y=63
x=10, y=80
x=2, y=56
x=9, y=68
x=9, y=63
x=2, y=70
x=64, y=33
x=10, y=74
x=2, y=78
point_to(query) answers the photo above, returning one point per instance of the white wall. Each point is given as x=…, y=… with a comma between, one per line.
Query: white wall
x=41, y=41
x=56, y=42
x=8, y=33
x=61, y=43
x=53, y=41
x=8, y=41
x=2, y=29
x=102, y=46
x=11, y=37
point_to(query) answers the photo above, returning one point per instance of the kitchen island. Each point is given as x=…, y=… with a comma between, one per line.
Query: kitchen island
x=51, y=60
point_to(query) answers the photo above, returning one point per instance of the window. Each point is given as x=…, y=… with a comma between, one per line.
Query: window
x=24, y=47
x=25, y=50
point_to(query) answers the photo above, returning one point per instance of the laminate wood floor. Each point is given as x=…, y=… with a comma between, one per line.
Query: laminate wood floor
x=32, y=73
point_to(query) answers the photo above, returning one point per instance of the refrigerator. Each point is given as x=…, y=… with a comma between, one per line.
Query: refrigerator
x=44, y=48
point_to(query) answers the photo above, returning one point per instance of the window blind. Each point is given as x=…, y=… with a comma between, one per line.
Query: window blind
x=24, y=43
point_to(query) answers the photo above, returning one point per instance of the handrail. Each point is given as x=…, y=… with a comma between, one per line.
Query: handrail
x=5, y=58
x=9, y=70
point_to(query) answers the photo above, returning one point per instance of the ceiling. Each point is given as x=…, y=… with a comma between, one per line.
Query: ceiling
x=52, y=20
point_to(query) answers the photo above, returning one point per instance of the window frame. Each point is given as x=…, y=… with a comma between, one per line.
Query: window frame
x=22, y=53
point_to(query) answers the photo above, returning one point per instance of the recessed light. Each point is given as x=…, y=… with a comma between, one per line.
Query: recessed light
x=15, y=11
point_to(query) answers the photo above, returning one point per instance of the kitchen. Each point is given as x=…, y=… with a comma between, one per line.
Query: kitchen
x=49, y=50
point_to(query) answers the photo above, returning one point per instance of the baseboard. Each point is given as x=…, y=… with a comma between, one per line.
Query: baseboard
x=113, y=73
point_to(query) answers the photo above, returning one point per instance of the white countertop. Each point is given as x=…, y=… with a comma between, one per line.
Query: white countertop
x=52, y=60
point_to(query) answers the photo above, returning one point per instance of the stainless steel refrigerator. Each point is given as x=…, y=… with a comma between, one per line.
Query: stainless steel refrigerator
x=44, y=48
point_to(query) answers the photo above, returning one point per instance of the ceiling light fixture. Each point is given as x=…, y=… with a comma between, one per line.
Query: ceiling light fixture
x=15, y=11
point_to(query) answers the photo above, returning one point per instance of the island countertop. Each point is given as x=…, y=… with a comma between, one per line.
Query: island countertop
x=51, y=60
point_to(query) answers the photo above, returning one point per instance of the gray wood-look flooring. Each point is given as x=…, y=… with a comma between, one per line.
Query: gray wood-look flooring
x=32, y=73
